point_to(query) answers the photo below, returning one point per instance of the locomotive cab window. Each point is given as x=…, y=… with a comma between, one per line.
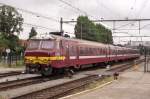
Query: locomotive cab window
x=47, y=44
x=34, y=44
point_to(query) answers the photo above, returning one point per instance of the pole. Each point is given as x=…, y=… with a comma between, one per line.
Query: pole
x=140, y=31
x=145, y=64
x=81, y=31
x=147, y=60
x=61, y=26
x=114, y=23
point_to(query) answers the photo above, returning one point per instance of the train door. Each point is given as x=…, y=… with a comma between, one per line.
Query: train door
x=73, y=53
x=67, y=53
x=116, y=51
x=107, y=53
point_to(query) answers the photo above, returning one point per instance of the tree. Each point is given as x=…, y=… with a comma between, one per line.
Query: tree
x=32, y=33
x=10, y=24
x=88, y=30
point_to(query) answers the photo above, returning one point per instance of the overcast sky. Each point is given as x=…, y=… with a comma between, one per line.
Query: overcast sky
x=95, y=9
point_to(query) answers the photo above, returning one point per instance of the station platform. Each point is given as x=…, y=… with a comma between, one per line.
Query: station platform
x=132, y=84
x=6, y=70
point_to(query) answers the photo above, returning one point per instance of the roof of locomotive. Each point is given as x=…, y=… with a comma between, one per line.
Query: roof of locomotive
x=84, y=42
x=90, y=43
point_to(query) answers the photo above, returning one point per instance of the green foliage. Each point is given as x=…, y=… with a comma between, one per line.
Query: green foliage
x=32, y=33
x=86, y=29
x=10, y=23
x=3, y=42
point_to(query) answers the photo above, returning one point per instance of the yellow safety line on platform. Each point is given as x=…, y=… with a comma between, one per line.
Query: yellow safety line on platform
x=87, y=90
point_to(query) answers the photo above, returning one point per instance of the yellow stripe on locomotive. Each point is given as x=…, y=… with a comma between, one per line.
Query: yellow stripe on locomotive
x=42, y=60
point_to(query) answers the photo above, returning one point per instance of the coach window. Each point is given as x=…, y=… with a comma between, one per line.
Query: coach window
x=98, y=51
x=81, y=51
x=71, y=50
x=94, y=51
x=101, y=51
x=114, y=52
x=86, y=50
x=90, y=51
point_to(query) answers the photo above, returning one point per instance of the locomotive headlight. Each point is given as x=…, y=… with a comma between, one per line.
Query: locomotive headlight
x=44, y=60
x=29, y=59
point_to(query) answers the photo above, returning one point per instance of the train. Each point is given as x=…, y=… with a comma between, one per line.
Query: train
x=57, y=53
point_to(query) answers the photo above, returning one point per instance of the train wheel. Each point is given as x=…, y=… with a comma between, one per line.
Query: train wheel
x=69, y=72
x=46, y=71
x=28, y=70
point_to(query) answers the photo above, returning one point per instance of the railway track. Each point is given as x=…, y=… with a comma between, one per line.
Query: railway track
x=9, y=74
x=54, y=92
x=65, y=88
x=4, y=86
x=123, y=67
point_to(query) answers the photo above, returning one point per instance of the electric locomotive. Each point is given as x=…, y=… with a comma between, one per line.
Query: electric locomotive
x=48, y=55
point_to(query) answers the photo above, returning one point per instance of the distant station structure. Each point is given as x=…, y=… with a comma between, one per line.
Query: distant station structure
x=136, y=44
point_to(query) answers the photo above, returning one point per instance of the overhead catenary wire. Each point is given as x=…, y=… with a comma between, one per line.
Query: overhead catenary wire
x=78, y=9
x=132, y=8
x=108, y=9
x=38, y=26
x=32, y=13
x=37, y=15
x=73, y=7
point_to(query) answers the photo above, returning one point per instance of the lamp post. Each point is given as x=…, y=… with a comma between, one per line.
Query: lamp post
x=8, y=57
x=81, y=32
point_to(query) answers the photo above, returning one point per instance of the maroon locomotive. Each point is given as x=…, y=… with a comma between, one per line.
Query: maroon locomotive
x=58, y=53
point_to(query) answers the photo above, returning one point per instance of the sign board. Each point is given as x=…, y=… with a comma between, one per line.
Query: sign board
x=7, y=50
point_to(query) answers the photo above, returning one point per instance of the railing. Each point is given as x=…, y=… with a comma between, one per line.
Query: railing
x=11, y=60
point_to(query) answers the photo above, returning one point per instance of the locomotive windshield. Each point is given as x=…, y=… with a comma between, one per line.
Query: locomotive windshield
x=34, y=44
x=41, y=44
x=47, y=44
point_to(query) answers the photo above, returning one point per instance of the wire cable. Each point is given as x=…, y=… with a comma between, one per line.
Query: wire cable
x=38, y=26
x=84, y=12
x=32, y=13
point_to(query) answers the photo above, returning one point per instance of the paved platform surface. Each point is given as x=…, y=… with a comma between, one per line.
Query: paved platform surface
x=130, y=85
x=5, y=70
x=16, y=77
